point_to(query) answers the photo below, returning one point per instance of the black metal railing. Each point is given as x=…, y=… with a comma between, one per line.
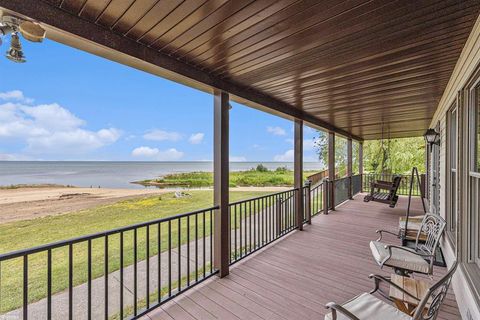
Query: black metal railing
x=118, y=273
x=317, y=199
x=254, y=223
x=125, y=272
x=403, y=189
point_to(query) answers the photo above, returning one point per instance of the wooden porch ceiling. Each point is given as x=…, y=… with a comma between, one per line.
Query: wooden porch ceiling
x=352, y=66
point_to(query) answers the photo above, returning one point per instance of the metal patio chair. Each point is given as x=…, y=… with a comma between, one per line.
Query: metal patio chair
x=367, y=306
x=405, y=260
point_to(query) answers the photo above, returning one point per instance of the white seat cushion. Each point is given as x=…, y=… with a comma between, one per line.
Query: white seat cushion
x=400, y=258
x=368, y=307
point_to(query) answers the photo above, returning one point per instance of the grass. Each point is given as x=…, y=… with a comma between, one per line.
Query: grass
x=31, y=233
x=249, y=178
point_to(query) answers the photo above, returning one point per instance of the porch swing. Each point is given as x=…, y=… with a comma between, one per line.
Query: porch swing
x=384, y=191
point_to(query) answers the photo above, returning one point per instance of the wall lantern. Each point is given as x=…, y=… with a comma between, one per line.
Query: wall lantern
x=432, y=137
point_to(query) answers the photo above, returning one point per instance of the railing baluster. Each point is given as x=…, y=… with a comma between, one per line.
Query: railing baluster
x=196, y=247
x=242, y=240
x=211, y=241
x=263, y=222
x=235, y=228
x=255, y=227
x=25, y=287
x=204, y=249
x=188, y=251
x=49, y=284
x=106, y=277
x=147, y=258
x=89, y=285
x=121, y=275
x=169, y=258
x=159, y=261
x=179, y=255
x=250, y=226
x=70, y=281
x=135, y=258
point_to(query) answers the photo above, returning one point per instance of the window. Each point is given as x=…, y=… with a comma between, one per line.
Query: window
x=474, y=178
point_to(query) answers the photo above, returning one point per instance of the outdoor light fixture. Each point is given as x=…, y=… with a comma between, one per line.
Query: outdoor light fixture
x=14, y=26
x=432, y=137
x=15, y=52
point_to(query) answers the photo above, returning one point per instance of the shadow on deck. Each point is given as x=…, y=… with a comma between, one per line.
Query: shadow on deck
x=295, y=277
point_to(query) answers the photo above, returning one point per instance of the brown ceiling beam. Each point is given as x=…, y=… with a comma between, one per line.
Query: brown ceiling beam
x=127, y=51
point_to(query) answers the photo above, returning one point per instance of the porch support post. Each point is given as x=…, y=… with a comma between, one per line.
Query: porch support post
x=220, y=177
x=298, y=171
x=349, y=167
x=360, y=163
x=331, y=168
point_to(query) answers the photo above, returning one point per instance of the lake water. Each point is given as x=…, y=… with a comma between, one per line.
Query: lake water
x=111, y=174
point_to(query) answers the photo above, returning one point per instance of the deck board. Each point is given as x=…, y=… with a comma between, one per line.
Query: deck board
x=296, y=276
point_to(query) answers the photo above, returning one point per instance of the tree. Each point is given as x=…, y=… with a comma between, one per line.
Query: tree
x=321, y=145
x=394, y=155
x=389, y=156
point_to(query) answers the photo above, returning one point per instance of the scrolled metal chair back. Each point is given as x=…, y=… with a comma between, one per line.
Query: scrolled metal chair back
x=432, y=226
x=435, y=295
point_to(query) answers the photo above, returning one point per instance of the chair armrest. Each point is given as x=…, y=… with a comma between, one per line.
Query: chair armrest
x=390, y=246
x=377, y=279
x=381, y=232
x=338, y=308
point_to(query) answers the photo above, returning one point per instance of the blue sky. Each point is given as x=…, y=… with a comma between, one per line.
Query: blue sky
x=66, y=104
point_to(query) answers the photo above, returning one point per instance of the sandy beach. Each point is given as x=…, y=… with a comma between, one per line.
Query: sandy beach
x=30, y=203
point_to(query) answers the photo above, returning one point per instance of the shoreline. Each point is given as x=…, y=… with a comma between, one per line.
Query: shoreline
x=31, y=202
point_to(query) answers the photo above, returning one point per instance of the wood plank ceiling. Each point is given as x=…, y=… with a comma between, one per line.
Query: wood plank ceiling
x=367, y=67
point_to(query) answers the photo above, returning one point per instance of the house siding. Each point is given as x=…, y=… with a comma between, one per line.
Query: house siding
x=466, y=66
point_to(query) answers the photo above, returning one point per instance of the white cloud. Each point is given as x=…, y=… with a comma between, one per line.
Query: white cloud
x=156, y=154
x=237, y=158
x=15, y=95
x=145, y=152
x=277, y=131
x=51, y=129
x=162, y=135
x=285, y=157
x=196, y=138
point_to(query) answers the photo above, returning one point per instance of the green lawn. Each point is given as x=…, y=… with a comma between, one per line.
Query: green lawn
x=25, y=234
x=256, y=178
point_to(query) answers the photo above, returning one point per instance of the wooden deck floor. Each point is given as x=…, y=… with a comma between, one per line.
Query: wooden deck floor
x=295, y=277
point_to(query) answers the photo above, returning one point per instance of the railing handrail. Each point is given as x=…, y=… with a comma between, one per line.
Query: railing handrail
x=62, y=243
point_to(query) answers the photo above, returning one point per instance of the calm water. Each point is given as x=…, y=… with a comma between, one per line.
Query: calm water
x=110, y=174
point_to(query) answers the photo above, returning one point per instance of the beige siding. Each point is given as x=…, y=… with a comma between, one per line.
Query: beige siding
x=468, y=62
